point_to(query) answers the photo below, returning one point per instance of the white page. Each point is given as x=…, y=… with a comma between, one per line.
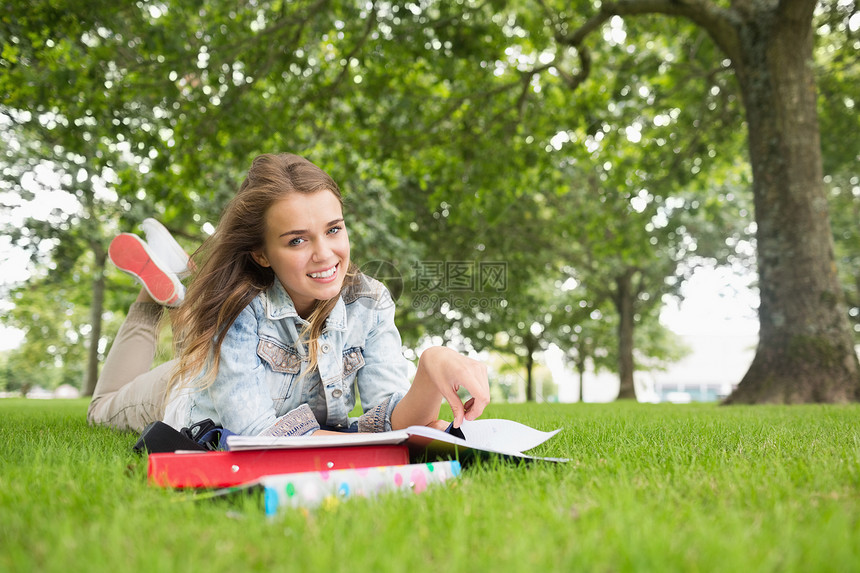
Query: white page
x=488, y=436
x=503, y=435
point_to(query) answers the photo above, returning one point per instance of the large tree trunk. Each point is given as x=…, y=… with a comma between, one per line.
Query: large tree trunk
x=625, y=298
x=805, y=351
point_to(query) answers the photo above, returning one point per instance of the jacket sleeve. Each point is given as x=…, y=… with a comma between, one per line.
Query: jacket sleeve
x=384, y=378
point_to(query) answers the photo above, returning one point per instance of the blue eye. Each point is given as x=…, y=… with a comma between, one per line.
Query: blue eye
x=334, y=230
x=296, y=242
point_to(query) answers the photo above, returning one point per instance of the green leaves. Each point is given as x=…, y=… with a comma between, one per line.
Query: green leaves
x=452, y=128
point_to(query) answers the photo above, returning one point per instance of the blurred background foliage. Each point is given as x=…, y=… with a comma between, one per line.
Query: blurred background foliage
x=512, y=211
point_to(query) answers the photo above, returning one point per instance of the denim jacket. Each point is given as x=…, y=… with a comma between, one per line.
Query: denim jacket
x=262, y=386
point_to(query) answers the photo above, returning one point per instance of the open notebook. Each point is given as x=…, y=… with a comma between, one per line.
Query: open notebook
x=496, y=436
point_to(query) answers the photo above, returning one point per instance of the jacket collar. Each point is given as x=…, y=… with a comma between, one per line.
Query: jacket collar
x=279, y=305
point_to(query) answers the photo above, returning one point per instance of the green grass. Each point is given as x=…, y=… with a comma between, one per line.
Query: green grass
x=648, y=488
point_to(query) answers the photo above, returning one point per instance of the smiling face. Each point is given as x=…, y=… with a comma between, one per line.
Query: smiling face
x=307, y=247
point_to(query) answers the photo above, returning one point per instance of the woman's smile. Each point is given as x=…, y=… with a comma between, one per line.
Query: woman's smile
x=326, y=275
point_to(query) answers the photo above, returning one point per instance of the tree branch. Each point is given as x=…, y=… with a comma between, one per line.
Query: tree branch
x=720, y=23
x=370, y=25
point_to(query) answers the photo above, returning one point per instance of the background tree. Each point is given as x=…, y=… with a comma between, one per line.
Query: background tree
x=438, y=106
x=587, y=337
x=805, y=350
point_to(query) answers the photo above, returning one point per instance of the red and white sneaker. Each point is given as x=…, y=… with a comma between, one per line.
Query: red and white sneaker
x=162, y=244
x=134, y=257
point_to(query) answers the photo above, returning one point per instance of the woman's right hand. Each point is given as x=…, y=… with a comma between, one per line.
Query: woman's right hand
x=441, y=373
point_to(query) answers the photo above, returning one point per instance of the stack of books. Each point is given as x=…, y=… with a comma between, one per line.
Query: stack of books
x=304, y=471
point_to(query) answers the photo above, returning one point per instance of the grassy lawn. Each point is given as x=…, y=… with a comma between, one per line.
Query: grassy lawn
x=648, y=488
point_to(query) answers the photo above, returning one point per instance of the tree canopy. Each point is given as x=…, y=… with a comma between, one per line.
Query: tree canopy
x=557, y=143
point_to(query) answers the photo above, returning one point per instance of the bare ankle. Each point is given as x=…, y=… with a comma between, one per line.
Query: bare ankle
x=144, y=296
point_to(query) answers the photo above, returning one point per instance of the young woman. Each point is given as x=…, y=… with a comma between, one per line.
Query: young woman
x=278, y=329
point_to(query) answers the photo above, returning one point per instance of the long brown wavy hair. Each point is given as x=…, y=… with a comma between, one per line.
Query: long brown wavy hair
x=227, y=278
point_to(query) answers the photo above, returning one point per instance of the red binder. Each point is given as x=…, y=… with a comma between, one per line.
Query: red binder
x=225, y=469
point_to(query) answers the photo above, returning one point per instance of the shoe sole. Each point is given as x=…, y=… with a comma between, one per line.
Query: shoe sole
x=131, y=256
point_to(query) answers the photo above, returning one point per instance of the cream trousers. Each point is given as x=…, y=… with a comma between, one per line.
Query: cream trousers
x=129, y=394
